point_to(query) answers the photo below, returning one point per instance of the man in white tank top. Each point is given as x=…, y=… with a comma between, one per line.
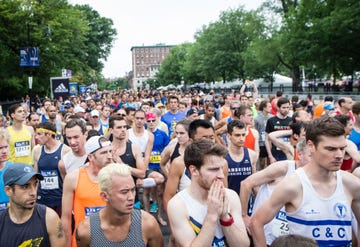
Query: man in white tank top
x=267, y=179
x=319, y=197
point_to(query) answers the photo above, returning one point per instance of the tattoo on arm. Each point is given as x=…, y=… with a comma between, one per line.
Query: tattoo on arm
x=60, y=230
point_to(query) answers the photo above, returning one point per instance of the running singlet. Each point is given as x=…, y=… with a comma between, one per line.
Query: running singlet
x=31, y=233
x=50, y=189
x=20, y=145
x=197, y=213
x=327, y=220
x=86, y=198
x=134, y=237
x=238, y=171
x=4, y=199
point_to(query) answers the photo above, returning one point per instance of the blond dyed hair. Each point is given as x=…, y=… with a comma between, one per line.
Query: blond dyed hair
x=107, y=172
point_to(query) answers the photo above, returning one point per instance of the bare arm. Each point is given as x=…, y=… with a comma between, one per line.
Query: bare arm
x=268, y=146
x=67, y=203
x=176, y=171
x=287, y=191
x=151, y=231
x=267, y=175
x=54, y=228
x=256, y=137
x=352, y=150
x=62, y=169
x=139, y=171
x=276, y=138
x=82, y=234
x=148, y=149
x=165, y=157
x=36, y=152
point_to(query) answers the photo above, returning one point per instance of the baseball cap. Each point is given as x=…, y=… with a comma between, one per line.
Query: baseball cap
x=159, y=105
x=95, y=143
x=94, y=113
x=328, y=106
x=150, y=115
x=79, y=109
x=191, y=112
x=20, y=173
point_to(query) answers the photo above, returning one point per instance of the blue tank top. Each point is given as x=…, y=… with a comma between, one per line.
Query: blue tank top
x=31, y=233
x=355, y=138
x=238, y=171
x=4, y=199
x=50, y=189
x=161, y=140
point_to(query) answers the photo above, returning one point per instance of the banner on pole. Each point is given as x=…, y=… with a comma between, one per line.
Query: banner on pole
x=59, y=87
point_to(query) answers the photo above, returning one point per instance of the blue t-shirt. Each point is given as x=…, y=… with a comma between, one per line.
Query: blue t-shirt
x=4, y=199
x=171, y=120
x=161, y=140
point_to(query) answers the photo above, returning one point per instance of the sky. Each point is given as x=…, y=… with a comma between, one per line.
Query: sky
x=150, y=22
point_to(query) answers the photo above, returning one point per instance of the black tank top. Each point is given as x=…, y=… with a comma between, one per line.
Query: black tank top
x=175, y=153
x=134, y=237
x=31, y=233
x=128, y=157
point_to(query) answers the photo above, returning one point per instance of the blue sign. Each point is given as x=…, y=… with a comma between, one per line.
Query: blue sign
x=73, y=86
x=29, y=56
x=83, y=89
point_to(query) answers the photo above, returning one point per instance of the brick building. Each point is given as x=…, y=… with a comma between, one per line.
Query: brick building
x=146, y=61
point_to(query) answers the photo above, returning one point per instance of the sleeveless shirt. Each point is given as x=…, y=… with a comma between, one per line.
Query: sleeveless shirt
x=238, y=171
x=73, y=162
x=50, y=189
x=278, y=226
x=249, y=140
x=86, y=198
x=33, y=232
x=197, y=213
x=141, y=141
x=134, y=237
x=4, y=199
x=128, y=157
x=20, y=145
x=185, y=180
x=327, y=220
x=175, y=153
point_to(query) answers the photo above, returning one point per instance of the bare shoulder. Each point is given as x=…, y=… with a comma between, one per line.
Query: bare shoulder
x=82, y=233
x=151, y=230
x=54, y=227
x=148, y=221
x=71, y=179
x=351, y=182
x=30, y=129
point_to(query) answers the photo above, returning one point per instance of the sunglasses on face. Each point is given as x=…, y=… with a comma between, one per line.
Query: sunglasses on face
x=151, y=121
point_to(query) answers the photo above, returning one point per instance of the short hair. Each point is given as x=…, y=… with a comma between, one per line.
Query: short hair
x=279, y=93
x=114, y=118
x=129, y=109
x=76, y=122
x=282, y=101
x=156, y=111
x=323, y=126
x=297, y=126
x=301, y=144
x=235, y=124
x=241, y=111
x=4, y=135
x=341, y=101
x=142, y=111
x=13, y=108
x=107, y=172
x=173, y=97
x=293, y=240
x=329, y=98
x=92, y=133
x=196, y=151
x=263, y=104
x=30, y=115
x=48, y=126
x=194, y=125
x=356, y=107
x=209, y=105
x=343, y=119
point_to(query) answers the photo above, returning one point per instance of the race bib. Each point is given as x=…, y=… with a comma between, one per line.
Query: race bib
x=91, y=210
x=280, y=225
x=155, y=158
x=22, y=148
x=51, y=180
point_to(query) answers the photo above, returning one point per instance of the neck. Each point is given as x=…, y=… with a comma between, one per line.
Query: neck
x=17, y=124
x=235, y=150
x=114, y=218
x=139, y=130
x=19, y=216
x=51, y=144
x=197, y=192
x=117, y=143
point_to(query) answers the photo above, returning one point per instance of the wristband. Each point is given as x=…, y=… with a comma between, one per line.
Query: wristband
x=227, y=222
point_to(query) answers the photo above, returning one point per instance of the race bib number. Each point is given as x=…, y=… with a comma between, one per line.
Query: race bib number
x=51, y=180
x=155, y=159
x=22, y=148
x=280, y=225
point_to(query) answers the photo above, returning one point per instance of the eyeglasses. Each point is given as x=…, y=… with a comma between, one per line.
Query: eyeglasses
x=234, y=108
x=151, y=121
x=123, y=115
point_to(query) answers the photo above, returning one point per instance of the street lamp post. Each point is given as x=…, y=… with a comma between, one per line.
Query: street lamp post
x=33, y=58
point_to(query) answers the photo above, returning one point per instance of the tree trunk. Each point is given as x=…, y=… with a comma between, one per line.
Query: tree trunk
x=295, y=75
